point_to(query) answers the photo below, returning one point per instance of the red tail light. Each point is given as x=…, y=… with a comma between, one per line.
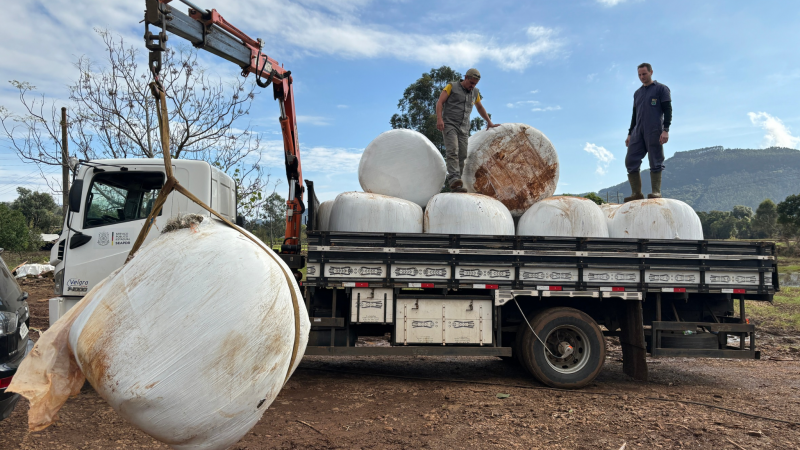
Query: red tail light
x=4, y=382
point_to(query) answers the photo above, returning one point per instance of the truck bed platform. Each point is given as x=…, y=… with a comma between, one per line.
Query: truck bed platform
x=560, y=266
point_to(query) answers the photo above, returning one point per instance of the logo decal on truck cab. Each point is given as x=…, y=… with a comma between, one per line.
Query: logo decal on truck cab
x=114, y=238
x=120, y=238
x=74, y=285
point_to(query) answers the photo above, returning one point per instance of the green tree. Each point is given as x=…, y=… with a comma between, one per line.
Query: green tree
x=742, y=212
x=595, y=198
x=764, y=224
x=275, y=218
x=418, y=105
x=14, y=235
x=743, y=216
x=40, y=210
x=718, y=224
x=789, y=211
x=789, y=223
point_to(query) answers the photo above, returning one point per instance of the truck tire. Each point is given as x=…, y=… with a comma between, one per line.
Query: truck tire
x=558, y=327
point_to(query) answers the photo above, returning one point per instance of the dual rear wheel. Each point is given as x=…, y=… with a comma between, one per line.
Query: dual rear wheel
x=567, y=351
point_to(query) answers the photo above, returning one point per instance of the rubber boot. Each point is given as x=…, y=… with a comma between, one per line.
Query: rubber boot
x=655, y=183
x=635, y=180
x=456, y=185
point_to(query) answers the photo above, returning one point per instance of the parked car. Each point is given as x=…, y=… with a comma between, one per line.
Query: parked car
x=14, y=341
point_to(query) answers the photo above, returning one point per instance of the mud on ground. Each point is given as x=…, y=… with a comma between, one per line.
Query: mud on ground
x=353, y=403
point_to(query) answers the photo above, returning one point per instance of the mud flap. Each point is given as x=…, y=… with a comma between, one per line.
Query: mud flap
x=634, y=351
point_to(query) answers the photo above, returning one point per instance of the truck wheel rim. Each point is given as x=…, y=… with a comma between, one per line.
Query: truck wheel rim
x=576, y=338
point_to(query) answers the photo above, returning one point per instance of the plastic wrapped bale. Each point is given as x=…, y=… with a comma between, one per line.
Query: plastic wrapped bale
x=608, y=210
x=32, y=270
x=192, y=340
x=374, y=213
x=404, y=164
x=658, y=218
x=324, y=215
x=453, y=213
x=514, y=163
x=563, y=216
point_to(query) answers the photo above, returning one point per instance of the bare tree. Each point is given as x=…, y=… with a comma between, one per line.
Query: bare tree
x=113, y=116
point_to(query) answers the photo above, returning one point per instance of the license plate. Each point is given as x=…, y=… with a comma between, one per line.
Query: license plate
x=23, y=330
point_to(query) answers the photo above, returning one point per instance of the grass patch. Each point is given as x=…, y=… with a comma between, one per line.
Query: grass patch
x=789, y=269
x=783, y=313
x=14, y=259
x=788, y=264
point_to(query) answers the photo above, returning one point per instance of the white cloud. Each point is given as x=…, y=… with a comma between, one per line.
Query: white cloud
x=547, y=108
x=522, y=102
x=313, y=120
x=342, y=33
x=604, y=157
x=535, y=91
x=610, y=2
x=331, y=160
x=591, y=77
x=342, y=106
x=317, y=159
x=778, y=135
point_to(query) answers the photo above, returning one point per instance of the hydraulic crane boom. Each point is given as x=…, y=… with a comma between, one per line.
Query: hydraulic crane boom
x=208, y=30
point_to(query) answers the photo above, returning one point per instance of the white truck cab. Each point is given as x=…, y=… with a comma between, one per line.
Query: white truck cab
x=108, y=203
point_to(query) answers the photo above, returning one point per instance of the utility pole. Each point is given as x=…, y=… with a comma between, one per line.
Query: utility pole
x=64, y=161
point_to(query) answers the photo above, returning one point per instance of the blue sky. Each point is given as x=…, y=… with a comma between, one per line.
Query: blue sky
x=566, y=68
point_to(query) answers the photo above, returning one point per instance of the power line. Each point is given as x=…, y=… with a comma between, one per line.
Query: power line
x=24, y=180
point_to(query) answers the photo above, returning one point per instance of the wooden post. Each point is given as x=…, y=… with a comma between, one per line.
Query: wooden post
x=64, y=162
x=634, y=350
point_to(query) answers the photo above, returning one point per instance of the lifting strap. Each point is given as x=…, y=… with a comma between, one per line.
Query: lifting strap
x=172, y=184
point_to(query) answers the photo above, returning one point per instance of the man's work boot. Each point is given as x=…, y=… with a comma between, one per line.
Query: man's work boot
x=457, y=185
x=655, y=183
x=635, y=179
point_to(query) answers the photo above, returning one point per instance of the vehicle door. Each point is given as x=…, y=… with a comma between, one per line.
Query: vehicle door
x=115, y=205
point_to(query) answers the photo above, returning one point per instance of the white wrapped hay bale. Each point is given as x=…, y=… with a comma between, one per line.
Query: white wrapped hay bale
x=658, y=218
x=563, y=216
x=324, y=215
x=374, y=213
x=192, y=340
x=33, y=270
x=514, y=163
x=404, y=164
x=608, y=210
x=456, y=213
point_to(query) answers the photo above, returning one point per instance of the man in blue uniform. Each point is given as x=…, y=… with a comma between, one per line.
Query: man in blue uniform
x=649, y=131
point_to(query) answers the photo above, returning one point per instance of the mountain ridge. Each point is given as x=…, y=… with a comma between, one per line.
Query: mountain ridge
x=715, y=178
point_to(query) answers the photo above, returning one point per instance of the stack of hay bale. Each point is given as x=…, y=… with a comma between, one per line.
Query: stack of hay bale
x=510, y=174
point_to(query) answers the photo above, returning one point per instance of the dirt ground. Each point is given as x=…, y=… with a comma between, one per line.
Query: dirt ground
x=355, y=403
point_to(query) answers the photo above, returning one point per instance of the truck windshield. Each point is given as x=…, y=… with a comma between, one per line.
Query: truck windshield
x=121, y=197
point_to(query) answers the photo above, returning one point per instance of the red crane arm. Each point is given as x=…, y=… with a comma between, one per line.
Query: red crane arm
x=208, y=30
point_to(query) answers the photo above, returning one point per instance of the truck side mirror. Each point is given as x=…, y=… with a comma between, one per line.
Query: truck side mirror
x=75, y=192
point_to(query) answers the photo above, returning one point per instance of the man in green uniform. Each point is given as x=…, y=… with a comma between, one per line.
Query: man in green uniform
x=452, y=119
